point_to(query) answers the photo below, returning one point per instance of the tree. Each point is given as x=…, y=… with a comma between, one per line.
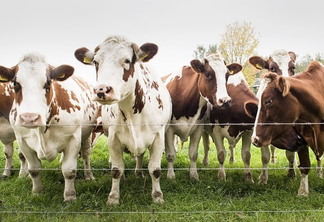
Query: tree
x=238, y=42
x=306, y=60
x=202, y=52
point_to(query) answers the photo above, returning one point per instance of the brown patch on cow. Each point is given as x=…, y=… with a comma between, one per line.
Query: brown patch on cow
x=6, y=100
x=115, y=173
x=157, y=173
x=155, y=85
x=14, y=111
x=128, y=73
x=159, y=102
x=139, y=98
x=64, y=100
x=184, y=93
x=124, y=116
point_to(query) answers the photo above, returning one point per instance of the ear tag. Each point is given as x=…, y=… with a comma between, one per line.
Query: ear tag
x=258, y=66
x=142, y=56
x=87, y=60
x=3, y=79
x=231, y=72
x=61, y=76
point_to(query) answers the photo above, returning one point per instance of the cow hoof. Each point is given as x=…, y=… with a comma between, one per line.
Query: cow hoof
x=158, y=197
x=139, y=173
x=89, y=177
x=4, y=177
x=263, y=179
x=302, y=194
x=221, y=176
x=69, y=199
x=113, y=201
x=248, y=178
x=194, y=176
x=171, y=175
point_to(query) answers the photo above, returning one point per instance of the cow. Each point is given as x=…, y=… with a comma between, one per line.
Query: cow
x=136, y=104
x=7, y=135
x=191, y=89
x=52, y=113
x=282, y=63
x=225, y=123
x=290, y=102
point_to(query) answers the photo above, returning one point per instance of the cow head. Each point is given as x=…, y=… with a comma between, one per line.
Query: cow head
x=115, y=60
x=32, y=78
x=272, y=114
x=213, y=77
x=280, y=62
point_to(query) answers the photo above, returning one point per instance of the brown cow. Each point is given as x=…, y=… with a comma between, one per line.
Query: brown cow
x=289, y=101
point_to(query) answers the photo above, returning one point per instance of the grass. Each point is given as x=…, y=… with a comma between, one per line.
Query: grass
x=205, y=200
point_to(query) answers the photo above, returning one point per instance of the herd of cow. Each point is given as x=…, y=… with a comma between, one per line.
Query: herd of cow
x=48, y=110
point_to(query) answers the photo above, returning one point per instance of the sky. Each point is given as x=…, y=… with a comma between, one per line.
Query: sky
x=57, y=28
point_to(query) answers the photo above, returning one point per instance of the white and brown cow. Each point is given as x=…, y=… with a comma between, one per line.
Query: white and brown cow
x=282, y=63
x=289, y=101
x=7, y=135
x=139, y=106
x=191, y=89
x=51, y=114
x=221, y=127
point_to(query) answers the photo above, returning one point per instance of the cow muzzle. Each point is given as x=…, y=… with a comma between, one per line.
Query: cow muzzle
x=104, y=95
x=256, y=141
x=30, y=120
x=224, y=102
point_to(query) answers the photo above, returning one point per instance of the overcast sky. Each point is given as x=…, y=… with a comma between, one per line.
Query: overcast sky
x=56, y=28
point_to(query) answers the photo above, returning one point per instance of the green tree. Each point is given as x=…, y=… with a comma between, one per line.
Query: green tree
x=306, y=60
x=202, y=52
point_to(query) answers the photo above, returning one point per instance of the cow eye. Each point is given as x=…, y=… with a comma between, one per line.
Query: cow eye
x=268, y=102
x=47, y=86
x=17, y=86
x=127, y=61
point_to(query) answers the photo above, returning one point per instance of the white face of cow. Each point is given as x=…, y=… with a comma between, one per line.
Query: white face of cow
x=32, y=85
x=115, y=65
x=281, y=58
x=216, y=61
x=115, y=61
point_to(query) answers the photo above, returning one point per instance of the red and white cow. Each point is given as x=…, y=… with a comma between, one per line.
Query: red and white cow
x=7, y=135
x=282, y=63
x=51, y=113
x=191, y=89
x=139, y=106
x=221, y=119
x=289, y=101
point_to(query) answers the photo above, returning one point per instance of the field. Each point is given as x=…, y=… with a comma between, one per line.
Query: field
x=205, y=200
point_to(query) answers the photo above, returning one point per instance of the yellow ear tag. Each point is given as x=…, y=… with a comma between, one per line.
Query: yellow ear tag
x=87, y=60
x=231, y=72
x=142, y=57
x=258, y=66
x=3, y=79
x=61, y=76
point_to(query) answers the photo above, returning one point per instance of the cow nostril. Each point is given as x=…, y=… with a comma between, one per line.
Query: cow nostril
x=108, y=89
x=101, y=95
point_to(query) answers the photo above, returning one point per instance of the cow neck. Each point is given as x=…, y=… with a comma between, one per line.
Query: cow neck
x=53, y=109
x=186, y=99
x=309, y=92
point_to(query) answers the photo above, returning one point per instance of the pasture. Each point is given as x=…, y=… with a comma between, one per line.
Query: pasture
x=205, y=200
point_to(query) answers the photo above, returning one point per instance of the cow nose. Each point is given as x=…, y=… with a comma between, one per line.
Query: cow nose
x=255, y=141
x=30, y=119
x=102, y=91
x=224, y=102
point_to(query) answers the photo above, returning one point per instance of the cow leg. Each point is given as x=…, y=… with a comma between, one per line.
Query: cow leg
x=291, y=159
x=304, y=168
x=85, y=155
x=34, y=165
x=23, y=172
x=319, y=168
x=170, y=152
x=221, y=155
x=8, y=150
x=139, y=166
x=232, y=156
x=193, y=153
x=265, y=158
x=246, y=155
x=117, y=170
x=69, y=167
x=206, y=143
x=273, y=154
x=154, y=166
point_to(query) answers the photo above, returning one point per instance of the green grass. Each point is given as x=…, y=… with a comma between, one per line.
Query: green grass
x=205, y=200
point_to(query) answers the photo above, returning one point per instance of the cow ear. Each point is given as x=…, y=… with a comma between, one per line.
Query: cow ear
x=234, y=68
x=146, y=52
x=6, y=74
x=198, y=66
x=251, y=109
x=258, y=62
x=292, y=56
x=84, y=55
x=270, y=76
x=284, y=86
x=62, y=72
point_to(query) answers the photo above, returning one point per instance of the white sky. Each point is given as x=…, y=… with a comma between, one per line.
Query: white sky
x=57, y=28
